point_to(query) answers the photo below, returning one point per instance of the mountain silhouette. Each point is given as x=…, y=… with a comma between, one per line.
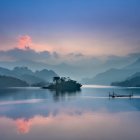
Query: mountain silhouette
x=27, y=75
x=133, y=81
x=46, y=75
x=111, y=75
x=7, y=81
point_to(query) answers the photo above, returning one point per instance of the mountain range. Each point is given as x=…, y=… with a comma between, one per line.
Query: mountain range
x=27, y=75
x=132, y=81
x=112, y=75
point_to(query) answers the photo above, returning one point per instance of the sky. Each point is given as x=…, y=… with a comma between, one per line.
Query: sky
x=89, y=27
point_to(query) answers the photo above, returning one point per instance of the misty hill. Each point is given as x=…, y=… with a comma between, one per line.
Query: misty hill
x=135, y=65
x=111, y=75
x=4, y=71
x=46, y=75
x=22, y=71
x=137, y=74
x=31, y=79
x=7, y=81
x=133, y=81
x=25, y=74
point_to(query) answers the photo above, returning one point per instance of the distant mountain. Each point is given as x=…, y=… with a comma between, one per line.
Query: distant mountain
x=4, y=71
x=31, y=79
x=7, y=81
x=137, y=74
x=25, y=74
x=107, y=77
x=135, y=65
x=111, y=75
x=22, y=71
x=133, y=82
x=45, y=74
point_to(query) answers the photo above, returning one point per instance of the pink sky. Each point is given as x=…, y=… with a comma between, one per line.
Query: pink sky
x=89, y=46
x=95, y=45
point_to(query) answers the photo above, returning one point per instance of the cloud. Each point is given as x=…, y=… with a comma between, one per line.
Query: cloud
x=47, y=57
x=26, y=54
x=24, y=41
x=29, y=54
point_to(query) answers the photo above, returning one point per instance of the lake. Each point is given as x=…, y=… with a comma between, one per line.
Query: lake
x=89, y=114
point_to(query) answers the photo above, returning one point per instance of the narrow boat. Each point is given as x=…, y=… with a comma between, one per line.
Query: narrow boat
x=114, y=95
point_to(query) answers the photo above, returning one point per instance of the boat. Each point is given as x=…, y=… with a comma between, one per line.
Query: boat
x=114, y=95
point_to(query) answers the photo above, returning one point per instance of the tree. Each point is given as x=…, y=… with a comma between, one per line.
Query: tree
x=56, y=79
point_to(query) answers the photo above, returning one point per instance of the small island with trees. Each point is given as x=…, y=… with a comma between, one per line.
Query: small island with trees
x=63, y=84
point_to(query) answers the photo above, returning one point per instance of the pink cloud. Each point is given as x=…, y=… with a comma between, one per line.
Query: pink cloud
x=24, y=41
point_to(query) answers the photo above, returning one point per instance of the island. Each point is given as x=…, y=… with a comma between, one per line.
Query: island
x=63, y=84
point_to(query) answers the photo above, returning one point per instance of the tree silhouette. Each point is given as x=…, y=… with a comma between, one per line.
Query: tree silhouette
x=56, y=80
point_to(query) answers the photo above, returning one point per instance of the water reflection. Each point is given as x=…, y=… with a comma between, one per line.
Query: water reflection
x=63, y=95
x=35, y=93
x=34, y=113
x=23, y=125
x=88, y=125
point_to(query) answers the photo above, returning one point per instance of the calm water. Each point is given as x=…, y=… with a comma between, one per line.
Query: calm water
x=38, y=114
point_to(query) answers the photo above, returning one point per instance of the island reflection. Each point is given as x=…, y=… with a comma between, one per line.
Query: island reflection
x=36, y=93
